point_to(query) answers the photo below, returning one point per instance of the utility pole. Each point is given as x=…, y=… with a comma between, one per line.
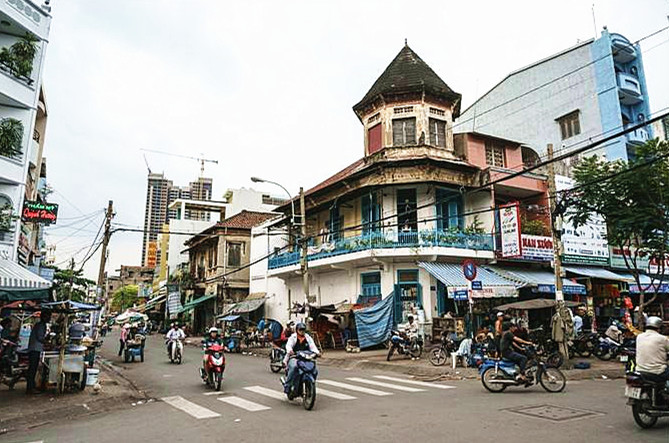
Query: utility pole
x=304, y=265
x=556, y=228
x=103, y=259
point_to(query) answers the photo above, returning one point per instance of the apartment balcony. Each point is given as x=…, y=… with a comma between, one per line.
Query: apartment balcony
x=623, y=51
x=637, y=137
x=25, y=15
x=521, y=186
x=379, y=246
x=11, y=170
x=629, y=89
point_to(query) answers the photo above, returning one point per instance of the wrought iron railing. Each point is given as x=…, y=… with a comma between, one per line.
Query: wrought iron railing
x=390, y=240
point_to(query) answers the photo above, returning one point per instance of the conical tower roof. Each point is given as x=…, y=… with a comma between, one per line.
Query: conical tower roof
x=407, y=74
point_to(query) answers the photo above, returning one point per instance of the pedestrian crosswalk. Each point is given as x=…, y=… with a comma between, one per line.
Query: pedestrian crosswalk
x=263, y=398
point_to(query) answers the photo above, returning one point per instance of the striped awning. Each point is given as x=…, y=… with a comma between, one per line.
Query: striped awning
x=594, y=272
x=15, y=276
x=542, y=281
x=451, y=275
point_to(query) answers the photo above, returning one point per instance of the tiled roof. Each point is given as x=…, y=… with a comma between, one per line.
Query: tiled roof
x=409, y=73
x=245, y=220
x=351, y=169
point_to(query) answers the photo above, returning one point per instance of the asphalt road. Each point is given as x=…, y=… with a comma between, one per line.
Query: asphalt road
x=186, y=410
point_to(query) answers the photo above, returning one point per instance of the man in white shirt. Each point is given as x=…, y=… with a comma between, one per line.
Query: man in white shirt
x=652, y=349
x=411, y=328
x=175, y=333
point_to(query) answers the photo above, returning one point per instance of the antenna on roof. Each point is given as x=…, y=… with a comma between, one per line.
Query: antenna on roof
x=594, y=20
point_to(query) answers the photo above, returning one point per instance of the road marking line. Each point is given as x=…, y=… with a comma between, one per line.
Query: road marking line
x=213, y=393
x=385, y=385
x=353, y=388
x=267, y=392
x=244, y=404
x=414, y=382
x=190, y=408
x=337, y=395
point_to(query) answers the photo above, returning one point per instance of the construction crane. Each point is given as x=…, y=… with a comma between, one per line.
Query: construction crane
x=202, y=160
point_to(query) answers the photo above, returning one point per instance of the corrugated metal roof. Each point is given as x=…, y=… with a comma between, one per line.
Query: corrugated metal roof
x=535, y=277
x=15, y=276
x=451, y=274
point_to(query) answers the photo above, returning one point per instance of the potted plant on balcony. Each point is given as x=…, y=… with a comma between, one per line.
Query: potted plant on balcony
x=533, y=227
x=7, y=217
x=19, y=57
x=11, y=136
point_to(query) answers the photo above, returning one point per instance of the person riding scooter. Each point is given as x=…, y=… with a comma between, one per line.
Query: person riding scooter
x=508, y=343
x=652, y=349
x=299, y=341
x=212, y=338
x=175, y=333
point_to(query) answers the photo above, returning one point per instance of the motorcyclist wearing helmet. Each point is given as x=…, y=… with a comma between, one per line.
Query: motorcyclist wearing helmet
x=299, y=341
x=652, y=349
x=175, y=333
x=212, y=338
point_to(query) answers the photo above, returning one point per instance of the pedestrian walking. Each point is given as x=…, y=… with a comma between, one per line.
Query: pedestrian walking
x=35, y=348
x=124, y=337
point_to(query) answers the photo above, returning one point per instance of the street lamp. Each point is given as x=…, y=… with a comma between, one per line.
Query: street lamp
x=292, y=204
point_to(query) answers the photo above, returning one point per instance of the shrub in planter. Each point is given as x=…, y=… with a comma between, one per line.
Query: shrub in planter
x=11, y=136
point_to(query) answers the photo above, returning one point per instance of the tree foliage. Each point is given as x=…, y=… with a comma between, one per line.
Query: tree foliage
x=124, y=297
x=70, y=284
x=633, y=198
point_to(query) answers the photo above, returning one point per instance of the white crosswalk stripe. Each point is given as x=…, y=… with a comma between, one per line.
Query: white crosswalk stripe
x=385, y=385
x=214, y=393
x=354, y=388
x=244, y=404
x=267, y=392
x=332, y=394
x=190, y=408
x=414, y=382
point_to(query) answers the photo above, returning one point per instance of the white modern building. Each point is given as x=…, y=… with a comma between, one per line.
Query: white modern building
x=24, y=29
x=570, y=99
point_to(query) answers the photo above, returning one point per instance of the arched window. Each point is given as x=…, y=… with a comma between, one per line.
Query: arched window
x=530, y=157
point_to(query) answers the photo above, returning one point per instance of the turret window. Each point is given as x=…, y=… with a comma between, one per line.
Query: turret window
x=437, y=133
x=404, y=131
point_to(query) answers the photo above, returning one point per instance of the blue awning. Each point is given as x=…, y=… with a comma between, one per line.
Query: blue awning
x=543, y=281
x=229, y=318
x=451, y=275
x=594, y=272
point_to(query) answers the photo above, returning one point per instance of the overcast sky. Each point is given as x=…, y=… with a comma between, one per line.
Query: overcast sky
x=266, y=87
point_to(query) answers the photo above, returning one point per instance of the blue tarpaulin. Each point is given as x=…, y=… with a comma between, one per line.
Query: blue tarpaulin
x=375, y=324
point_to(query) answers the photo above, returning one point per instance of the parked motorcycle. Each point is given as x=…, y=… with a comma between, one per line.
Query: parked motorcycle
x=304, y=384
x=276, y=357
x=175, y=350
x=214, y=366
x=404, y=345
x=439, y=354
x=13, y=364
x=584, y=344
x=497, y=375
x=649, y=397
x=608, y=348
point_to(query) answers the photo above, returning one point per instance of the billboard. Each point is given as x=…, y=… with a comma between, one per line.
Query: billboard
x=151, y=254
x=586, y=244
x=537, y=247
x=509, y=217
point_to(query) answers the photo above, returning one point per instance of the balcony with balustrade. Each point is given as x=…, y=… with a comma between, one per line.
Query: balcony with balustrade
x=623, y=51
x=376, y=246
x=629, y=89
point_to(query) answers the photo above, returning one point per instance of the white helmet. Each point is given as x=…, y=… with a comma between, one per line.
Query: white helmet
x=654, y=323
x=213, y=329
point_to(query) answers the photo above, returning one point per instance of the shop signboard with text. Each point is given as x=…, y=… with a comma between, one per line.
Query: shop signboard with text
x=586, y=244
x=36, y=212
x=509, y=218
x=537, y=247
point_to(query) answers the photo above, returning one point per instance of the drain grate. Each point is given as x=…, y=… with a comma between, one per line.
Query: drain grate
x=554, y=413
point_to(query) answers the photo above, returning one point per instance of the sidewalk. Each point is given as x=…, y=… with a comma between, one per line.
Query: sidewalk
x=422, y=368
x=19, y=411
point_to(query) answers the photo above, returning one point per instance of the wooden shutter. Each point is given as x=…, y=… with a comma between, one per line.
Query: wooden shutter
x=374, y=138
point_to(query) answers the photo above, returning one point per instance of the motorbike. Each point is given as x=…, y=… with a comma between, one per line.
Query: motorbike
x=648, y=395
x=304, y=384
x=404, y=345
x=497, y=375
x=214, y=366
x=439, y=354
x=234, y=342
x=175, y=351
x=276, y=357
x=584, y=344
x=13, y=364
x=608, y=348
x=134, y=348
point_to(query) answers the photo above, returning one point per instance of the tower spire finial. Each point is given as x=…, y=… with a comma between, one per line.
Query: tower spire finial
x=405, y=42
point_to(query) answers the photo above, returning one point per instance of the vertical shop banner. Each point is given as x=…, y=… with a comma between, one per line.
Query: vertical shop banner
x=152, y=254
x=586, y=244
x=509, y=218
x=173, y=300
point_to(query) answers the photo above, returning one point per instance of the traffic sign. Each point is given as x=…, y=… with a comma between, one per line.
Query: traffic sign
x=477, y=285
x=469, y=269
